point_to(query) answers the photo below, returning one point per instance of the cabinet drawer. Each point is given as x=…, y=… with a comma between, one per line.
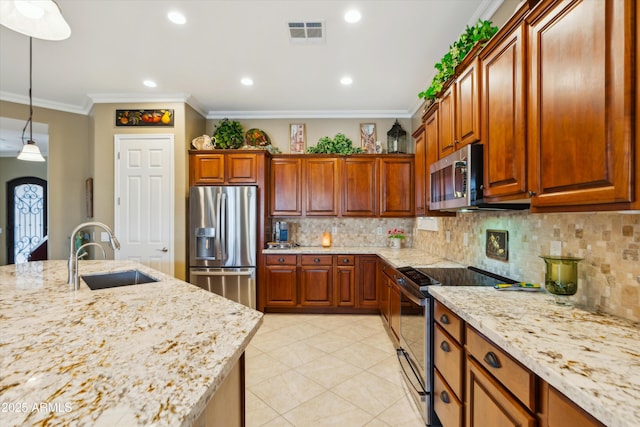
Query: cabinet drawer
x=316, y=259
x=515, y=377
x=448, y=358
x=449, y=321
x=445, y=403
x=345, y=260
x=281, y=260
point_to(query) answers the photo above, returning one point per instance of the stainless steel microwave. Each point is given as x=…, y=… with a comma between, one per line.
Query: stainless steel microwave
x=457, y=182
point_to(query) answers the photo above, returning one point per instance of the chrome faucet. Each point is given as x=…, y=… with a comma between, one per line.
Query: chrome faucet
x=76, y=276
x=73, y=262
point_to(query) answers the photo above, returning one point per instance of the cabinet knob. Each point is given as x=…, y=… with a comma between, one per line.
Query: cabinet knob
x=532, y=193
x=346, y=260
x=444, y=396
x=445, y=346
x=444, y=319
x=492, y=360
x=280, y=259
x=316, y=260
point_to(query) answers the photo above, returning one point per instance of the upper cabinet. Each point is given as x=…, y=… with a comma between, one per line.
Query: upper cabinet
x=321, y=186
x=359, y=186
x=285, y=182
x=397, y=186
x=581, y=126
x=221, y=167
x=420, y=139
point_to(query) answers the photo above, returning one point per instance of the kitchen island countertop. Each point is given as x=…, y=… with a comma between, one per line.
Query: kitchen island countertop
x=149, y=354
x=592, y=358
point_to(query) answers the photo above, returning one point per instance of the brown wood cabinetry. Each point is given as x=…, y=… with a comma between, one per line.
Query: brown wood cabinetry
x=285, y=195
x=556, y=410
x=321, y=178
x=467, y=105
x=390, y=299
x=220, y=167
x=420, y=153
x=367, y=285
x=503, y=107
x=446, y=122
x=397, y=186
x=383, y=290
x=206, y=169
x=345, y=280
x=581, y=77
x=359, y=186
x=281, y=275
x=316, y=280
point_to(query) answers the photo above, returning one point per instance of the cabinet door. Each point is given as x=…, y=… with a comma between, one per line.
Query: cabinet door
x=446, y=126
x=560, y=411
x=367, y=285
x=467, y=108
x=316, y=286
x=395, y=298
x=503, y=97
x=345, y=280
x=359, y=186
x=397, y=190
x=207, y=169
x=321, y=184
x=581, y=72
x=420, y=138
x=286, y=186
x=383, y=290
x=242, y=168
x=281, y=286
x=490, y=404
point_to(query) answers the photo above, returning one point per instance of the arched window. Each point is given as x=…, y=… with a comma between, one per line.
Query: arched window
x=26, y=218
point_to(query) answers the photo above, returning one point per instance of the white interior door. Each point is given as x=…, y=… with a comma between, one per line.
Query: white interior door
x=144, y=175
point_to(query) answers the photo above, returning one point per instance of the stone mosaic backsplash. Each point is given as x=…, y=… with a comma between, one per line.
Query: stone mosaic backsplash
x=608, y=242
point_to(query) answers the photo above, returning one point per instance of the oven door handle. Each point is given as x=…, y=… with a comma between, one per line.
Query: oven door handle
x=413, y=377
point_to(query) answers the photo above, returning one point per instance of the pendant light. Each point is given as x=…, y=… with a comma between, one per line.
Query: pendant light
x=30, y=150
x=41, y=19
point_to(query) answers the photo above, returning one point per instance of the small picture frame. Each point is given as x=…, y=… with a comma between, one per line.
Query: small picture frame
x=368, y=137
x=297, y=138
x=497, y=246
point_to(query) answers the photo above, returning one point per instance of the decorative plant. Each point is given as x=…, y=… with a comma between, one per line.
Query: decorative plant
x=228, y=134
x=395, y=233
x=338, y=145
x=481, y=32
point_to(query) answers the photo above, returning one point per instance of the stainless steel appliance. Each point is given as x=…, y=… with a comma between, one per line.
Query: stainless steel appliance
x=223, y=241
x=415, y=353
x=457, y=182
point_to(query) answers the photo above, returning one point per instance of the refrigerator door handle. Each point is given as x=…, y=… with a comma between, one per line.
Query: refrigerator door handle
x=223, y=230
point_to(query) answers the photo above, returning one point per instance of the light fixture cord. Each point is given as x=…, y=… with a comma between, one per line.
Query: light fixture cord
x=29, y=121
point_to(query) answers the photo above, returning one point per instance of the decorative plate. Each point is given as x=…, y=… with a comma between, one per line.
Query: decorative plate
x=257, y=138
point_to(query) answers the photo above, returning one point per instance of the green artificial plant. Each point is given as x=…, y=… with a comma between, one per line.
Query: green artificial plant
x=228, y=134
x=338, y=145
x=446, y=68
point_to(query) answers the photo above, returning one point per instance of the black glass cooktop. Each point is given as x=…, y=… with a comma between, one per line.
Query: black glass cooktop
x=471, y=276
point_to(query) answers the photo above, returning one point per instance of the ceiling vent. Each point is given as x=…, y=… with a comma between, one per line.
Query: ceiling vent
x=306, y=32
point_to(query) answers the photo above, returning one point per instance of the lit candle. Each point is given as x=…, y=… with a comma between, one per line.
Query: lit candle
x=326, y=239
x=395, y=145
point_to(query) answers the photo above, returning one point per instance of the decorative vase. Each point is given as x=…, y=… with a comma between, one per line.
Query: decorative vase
x=561, y=277
x=395, y=243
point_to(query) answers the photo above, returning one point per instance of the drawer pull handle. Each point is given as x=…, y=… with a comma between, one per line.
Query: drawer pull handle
x=444, y=396
x=346, y=260
x=492, y=360
x=444, y=319
x=445, y=346
x=316, y=260
x=280, y=259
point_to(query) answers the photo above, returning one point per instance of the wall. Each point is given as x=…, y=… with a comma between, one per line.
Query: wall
x=608, y=242
x=278, y=129
x=11, y=168
x=67, y=165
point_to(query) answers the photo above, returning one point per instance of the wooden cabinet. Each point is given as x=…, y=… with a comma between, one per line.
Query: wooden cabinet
x=367, y=285
x=420, y=153
x=390, y=299
x=345, y=280
x=446, y=123
x=383, y=290
x=281, y=274
x=581, y=77
x=359, y=186
x=206, y=169
x=395, y=303
x=285, y=195
x=467, y=105
x=503, y=110
x=397, y=186
x=219, y=167
x=558, y=411
x=321, y=180
x=316, y=280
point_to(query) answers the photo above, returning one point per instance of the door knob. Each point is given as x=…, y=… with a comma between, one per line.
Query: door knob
x=163, y=249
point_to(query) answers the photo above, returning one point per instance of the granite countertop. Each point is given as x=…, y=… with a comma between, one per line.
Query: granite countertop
x=592, y=358
x=396, y=257
x=149, y=354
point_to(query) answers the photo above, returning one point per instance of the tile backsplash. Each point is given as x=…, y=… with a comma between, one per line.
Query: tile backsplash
x=609, y=243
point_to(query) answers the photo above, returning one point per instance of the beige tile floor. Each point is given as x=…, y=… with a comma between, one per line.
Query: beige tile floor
x=325, y=370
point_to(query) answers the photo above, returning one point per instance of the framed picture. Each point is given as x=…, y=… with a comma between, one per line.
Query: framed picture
x=497, y=244
x=368, y=137
x=297, y=138
x=144, y=117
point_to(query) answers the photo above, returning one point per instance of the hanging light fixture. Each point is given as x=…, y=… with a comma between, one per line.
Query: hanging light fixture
x=30, y=150
x=41, y=19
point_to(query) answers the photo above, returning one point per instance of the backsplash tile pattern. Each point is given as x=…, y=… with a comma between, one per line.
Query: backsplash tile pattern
x=349, y=231
x=608, y=242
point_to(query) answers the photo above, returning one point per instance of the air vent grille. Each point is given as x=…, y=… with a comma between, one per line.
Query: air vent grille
x=306, y=32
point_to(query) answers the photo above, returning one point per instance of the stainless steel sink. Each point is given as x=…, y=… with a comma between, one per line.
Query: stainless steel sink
x=116, y=279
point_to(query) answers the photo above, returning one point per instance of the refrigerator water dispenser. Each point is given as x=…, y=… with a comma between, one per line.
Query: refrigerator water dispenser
x=205, y=238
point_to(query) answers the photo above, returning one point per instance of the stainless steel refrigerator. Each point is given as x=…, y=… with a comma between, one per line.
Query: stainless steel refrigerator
x=223, y=241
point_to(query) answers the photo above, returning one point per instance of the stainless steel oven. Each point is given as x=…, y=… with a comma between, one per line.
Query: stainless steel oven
x=415, y=352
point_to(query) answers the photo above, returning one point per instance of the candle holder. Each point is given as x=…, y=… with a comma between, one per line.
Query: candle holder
x=326, y=239
x=561, y=277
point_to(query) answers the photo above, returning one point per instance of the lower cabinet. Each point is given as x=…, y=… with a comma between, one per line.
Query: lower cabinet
x=320, y=283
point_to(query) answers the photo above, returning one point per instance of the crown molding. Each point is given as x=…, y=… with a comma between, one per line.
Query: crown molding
x=43, y=103
x=485, y=11
x=311, y=114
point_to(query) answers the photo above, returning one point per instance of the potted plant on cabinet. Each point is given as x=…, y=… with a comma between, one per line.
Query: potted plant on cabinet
x=228, y=134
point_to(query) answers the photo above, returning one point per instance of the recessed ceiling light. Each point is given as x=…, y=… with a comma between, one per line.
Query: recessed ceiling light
x=247, y=81
x=352, y=16
x=150, y=83
x=346, y=80
x=177, y=17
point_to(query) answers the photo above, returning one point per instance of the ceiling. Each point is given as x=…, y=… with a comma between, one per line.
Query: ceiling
x=116, y=44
